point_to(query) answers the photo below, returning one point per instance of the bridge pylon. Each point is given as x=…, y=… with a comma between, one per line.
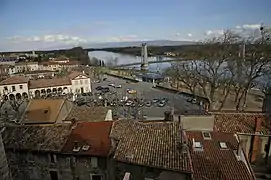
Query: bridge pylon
x=144, y=57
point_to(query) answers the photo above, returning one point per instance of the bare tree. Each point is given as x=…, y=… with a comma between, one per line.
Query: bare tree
x=210, y=74
x=256, y=63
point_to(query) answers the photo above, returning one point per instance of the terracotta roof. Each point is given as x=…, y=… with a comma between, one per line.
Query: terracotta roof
x=36, y=138
x=75, y=74
x=25, y=63
x=151, y=145
x=93, y=134
x=39, y=72
x=72, y=63
x=14, y=80
x=43, y=111
x=43, y=83
x=239, y=122
x=214, y=162
x=85, y=113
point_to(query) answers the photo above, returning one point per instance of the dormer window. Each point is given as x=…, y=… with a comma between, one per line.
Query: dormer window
x=206, y=135
x=223, y=145
x=197, y=145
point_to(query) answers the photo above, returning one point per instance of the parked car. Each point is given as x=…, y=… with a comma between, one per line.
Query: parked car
x=155, y=100
x=164, y=100
x=105, y=90
x=129, y=103
x=148, y=104
x=118, y=86
x=112, y=85
x=194, y=101
x=161, y=104
x=99, y=88
x=132, y=91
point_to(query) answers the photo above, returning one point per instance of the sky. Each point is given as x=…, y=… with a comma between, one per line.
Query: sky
x=43, y=24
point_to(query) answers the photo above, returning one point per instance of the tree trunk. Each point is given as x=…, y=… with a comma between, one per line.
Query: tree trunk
x=227, y=91
x=237, y=93
x=241, y=98
x=245, y=101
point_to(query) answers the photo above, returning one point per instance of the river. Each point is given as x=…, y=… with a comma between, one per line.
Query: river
x=127, y=59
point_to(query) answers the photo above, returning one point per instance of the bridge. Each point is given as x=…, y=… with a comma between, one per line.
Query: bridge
x=149, y=62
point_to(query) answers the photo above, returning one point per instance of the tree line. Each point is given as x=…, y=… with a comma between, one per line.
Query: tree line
x=232, y=62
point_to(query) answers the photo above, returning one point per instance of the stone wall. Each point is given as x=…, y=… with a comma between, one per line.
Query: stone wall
x=40, y=166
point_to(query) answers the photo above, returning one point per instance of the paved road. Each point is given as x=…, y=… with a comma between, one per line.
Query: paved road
x=146, y=92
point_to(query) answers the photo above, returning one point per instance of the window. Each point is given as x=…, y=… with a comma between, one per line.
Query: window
x=223, y=145
x=206, y=135
x=21, y=86
x=53, y=175
x=197, y=145
x=94, y=162
x=86, y=81
x=5, y=88
x=96, y=177
x=13, y=88
x=75, y=82
x=52, y=158
x=81, y=81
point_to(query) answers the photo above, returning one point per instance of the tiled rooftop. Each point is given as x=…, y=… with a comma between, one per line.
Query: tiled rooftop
x=240, y=122
x=85, y=113
x=36, y=138
x=43, y=110
x=75, y=74
x=14, y=80
x=151, y=145
x=93, y=134
x=214, y=162
x=43, y=83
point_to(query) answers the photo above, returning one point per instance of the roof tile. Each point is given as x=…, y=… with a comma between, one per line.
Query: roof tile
x=36, y=138
x=239, y=122
x=43, y=83
x=214, y=162
x=94, y=134
x=14, y=80
x=149, y=145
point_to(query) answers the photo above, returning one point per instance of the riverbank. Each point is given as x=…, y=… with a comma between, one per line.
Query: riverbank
x=254, y=98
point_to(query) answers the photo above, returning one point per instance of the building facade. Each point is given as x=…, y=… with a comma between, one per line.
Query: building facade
x=20, y=86
x=15, y=87
x=59, y=152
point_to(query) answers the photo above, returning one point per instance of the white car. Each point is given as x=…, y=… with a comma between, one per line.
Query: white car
x=113, y=85
x=118, y=86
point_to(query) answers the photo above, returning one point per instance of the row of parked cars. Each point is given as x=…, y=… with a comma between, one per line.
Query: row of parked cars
x=129, y=102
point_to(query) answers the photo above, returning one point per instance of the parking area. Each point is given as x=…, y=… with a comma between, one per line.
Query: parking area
x=152, y=102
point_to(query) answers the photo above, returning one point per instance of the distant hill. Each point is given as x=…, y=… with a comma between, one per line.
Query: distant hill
x=138, y=43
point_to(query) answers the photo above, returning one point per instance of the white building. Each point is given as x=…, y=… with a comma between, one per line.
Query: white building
x=22, y=67
x=19, y=86
x=26, y=66
x=14, y=87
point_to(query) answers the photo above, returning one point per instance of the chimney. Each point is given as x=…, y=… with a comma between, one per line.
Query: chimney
x=168, y=116
x=256, y=140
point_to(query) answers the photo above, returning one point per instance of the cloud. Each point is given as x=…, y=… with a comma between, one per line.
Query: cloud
x=209, y=32
x=178, y=34
x=49, y=38
x=123, y=38
x=249, y=26
x=189, y=35
x=216, y=32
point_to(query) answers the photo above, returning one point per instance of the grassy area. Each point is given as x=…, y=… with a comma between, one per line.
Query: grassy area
x=254, y=100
